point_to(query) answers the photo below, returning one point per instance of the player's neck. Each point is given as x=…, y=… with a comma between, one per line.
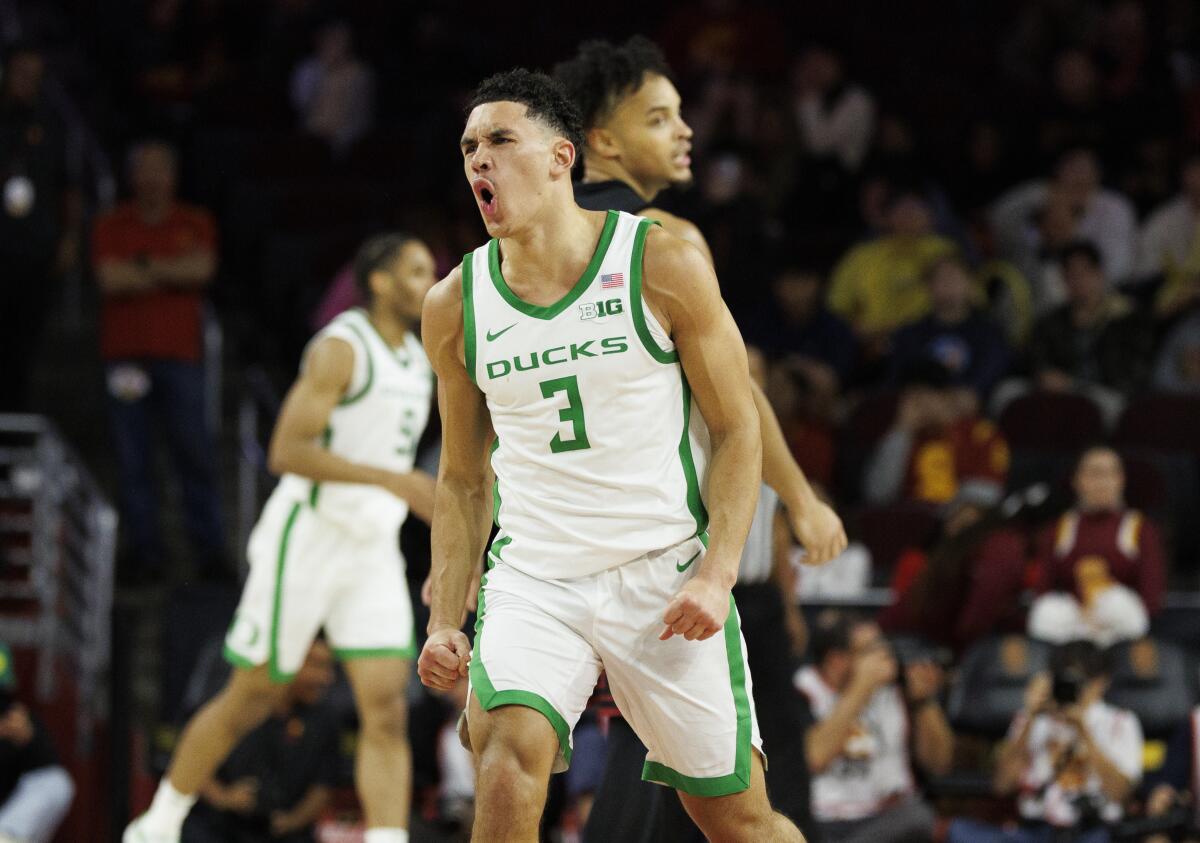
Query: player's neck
x=391, y=329
x=605, y=170
x=555, y=247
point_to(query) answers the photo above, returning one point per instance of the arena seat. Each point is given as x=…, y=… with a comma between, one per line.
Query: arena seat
x=1156, y=680
x=1051, y=422
x=992, y=677
x=887, y=531
x=1161, y=421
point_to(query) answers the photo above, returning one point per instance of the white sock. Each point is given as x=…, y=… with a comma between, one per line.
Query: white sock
x=169, y=809
x=386, y=835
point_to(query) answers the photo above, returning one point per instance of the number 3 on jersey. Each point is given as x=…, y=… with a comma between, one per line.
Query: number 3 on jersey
x=572, y=413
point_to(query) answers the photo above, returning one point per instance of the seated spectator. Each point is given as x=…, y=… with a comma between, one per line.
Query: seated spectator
x=35, y=790
x=937, y=442
x=1174, y=788
x=1072, y=758
x=970, y=582
x=1033, y=219
x=865, y=715
x=955, y=333
x=1102, y=569
x=154, y=256
x=795, y=325
x=277, y=781
x=1169, y=245
x=1095, y=344
x=334, y=89
x=836, y=117
x=877, y=285
x=1178, y=366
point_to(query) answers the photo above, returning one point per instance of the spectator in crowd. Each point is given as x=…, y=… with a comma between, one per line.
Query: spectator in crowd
x=865, y=713
x=836, y=116
x=1075, y=114
x=1178, y=366
x=956, y=333
x=154, y=256
x=334, y=89
x=1169, y=245
x=35, y=790
x=1032, y=220
x=1174, y=788
x=1096, y=343
x=937, y=443
x=39, y=217
x=1102, y=568
x=277, y=781
x=969, y=583
x=1071, y=758
x=797, y=326
x=877, y=286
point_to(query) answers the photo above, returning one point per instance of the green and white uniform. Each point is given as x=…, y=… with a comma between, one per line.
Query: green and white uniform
x=327, y=554
x=599, y=460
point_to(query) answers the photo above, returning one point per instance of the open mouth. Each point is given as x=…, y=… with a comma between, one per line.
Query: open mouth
x=485, y=193
x=683, y=158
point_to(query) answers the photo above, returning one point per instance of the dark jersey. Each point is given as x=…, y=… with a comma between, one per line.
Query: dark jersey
x=611, y=195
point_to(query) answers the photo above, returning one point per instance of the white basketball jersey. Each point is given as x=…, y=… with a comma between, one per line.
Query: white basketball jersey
x=600, y=454
x=378, y=422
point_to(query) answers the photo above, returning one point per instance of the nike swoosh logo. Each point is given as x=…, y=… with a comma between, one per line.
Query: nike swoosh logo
x=688, y=563
x=498, y=334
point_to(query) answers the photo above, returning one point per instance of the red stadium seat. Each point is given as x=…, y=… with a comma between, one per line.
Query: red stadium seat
x=1051, y=421
x=1161, y=421
x=887, y=531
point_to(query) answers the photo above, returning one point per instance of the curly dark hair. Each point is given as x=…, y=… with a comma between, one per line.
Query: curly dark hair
x=602, y=74
x=543, y=98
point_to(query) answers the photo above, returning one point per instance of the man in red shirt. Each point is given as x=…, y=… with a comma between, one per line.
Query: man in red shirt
x=937, y=442
x=1102, y=569
x=153, y=258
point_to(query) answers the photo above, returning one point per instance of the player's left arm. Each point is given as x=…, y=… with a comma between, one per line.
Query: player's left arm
x=813, y=522
x=682, y=290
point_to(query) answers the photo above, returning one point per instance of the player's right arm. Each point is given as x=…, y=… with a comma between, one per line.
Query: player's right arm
x=459, y=531
x=295, y=445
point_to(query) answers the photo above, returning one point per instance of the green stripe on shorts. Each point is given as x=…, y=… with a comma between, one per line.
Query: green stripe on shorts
x=739, y=779
x=278, y=675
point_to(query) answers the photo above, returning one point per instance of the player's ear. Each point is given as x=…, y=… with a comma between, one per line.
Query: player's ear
x=378, y=281
x=602, y=142
x=564, y=155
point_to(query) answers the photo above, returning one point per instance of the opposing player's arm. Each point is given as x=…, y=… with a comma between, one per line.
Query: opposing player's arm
x=459, y=530
x=681, y=228
x=682, y=290
x=295, y=444
x=812, y=521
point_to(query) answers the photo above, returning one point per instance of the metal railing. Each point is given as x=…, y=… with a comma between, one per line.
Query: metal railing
x=58, y=537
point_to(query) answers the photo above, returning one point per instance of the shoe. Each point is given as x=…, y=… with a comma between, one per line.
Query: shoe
x=137, y=832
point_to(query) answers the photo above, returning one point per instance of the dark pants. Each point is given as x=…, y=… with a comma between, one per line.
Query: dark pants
x=173, y=402
x=629, y=809
x=970, y=831
x=26, y=293
x=908, y=822
x=207, y=825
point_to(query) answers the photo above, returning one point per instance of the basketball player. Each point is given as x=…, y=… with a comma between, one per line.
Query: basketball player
x=637, y=146
x=570, y=348
x=325, y=552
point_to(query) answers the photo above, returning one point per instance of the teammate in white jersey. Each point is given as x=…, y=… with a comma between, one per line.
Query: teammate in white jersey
x=325, y=552
x=572, y=347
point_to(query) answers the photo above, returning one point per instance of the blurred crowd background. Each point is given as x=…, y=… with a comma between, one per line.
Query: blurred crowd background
x=963, y=237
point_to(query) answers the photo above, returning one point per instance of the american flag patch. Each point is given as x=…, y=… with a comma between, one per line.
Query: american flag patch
x=608, y=282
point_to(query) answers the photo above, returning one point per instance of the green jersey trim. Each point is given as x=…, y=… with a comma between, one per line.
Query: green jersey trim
x=355, y=653
x=585, y=280
x=366, y=387
x=236, y=659
x=468, y=296
x=394, y=350
x=694, y=501
x=277, y=675
x=315, y=494
x=739, y=779
x=489, y=698
x=637, y=304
